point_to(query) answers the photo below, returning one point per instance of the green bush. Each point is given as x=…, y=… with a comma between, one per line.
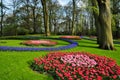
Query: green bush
x=9, y=31
x=22, y=31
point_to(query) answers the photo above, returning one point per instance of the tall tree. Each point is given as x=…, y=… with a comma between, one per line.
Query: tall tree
x=68, y=12
x=106, y=39
x=15, y=4
x=46, y=17
x=1, y=23
x=2, y=14
x=34, y=8
x=73, y=18
x=26, y=4
x=96, y=17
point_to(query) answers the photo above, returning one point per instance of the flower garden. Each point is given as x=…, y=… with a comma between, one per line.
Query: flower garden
x=71, y=37
x=39, y=42
x=77, y=66
x=71, y=44
x=58, y=58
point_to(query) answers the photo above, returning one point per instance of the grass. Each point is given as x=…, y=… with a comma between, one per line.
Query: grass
x=16, y=43
x=15, y=65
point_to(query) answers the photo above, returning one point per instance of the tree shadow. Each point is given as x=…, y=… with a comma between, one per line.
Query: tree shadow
x=116, y=42
x=88, y=42
x=88, y=46
x=89, y=39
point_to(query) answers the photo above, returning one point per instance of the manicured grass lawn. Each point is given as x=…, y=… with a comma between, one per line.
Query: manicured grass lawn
x=16, y=43
x=15, y=65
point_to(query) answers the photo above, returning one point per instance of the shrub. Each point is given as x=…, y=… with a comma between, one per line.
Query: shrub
x=77, y=66
x=22, y=31
x=9, y=31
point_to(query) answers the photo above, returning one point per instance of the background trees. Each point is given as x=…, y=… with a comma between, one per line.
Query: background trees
x=115, y=18
x=2, y=15
x=78, y=17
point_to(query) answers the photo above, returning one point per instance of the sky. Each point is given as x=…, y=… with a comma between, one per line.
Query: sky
x=63, y=2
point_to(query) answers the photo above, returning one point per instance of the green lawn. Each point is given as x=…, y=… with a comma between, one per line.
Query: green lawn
x=15, y=65
x=15, y=43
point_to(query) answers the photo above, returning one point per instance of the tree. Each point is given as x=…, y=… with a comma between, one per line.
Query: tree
x=1, y=23
x=3, y=12
x=53, y=15
x=67, y=18
x=15, y=5
x=46, y=17
x=34, y=7
x=116, y=17
x=25, y=9
x=96, y=17
x=106, y=39
x=73, y=18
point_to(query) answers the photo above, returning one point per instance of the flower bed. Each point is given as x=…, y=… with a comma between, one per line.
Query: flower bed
x=77, y=66
x=71, y=45
x=39, y=42
x=71, y=37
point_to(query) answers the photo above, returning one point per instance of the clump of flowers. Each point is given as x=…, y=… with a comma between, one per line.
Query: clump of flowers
x=71, y=37
x=79, y=60
x=77, y=66
x=39, y=42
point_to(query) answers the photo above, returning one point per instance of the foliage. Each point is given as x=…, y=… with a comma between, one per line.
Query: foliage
x=22, y=31
x=77, y=65
x=9, y=30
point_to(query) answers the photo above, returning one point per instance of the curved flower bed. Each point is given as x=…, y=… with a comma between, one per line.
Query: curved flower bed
x=77, y=66
x=71, y=37
x=39, y=42
x=71, y=45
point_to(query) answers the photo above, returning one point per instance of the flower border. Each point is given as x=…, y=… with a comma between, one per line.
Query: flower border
x=103, y=69
x=71, y=45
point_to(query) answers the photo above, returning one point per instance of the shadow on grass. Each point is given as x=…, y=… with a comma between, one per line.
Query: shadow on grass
x=117, y=45
x=88, y=42
x=89, y=39
x=88, y=46
x=116, y=42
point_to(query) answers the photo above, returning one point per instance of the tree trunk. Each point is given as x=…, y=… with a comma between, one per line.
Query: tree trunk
x=73, y=18
x=96, y=17
x=46, y=18
x=34, y=21
x=1, y=23
x=50, y=20
x=14, y=21
x=50, y=15
x=106, y=39
x=69, y=27
x=27, y=20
